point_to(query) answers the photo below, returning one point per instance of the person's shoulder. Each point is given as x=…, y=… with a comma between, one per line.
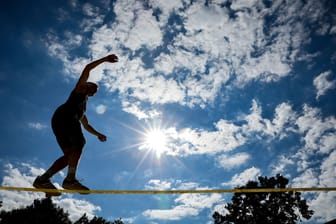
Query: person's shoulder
x=80, y=88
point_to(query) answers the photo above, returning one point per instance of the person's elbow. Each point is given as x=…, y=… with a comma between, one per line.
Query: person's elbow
x=89, y=67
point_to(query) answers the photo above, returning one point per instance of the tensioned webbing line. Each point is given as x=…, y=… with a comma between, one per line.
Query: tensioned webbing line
x=198, y=191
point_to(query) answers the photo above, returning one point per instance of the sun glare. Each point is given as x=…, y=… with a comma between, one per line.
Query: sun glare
x=156, y=140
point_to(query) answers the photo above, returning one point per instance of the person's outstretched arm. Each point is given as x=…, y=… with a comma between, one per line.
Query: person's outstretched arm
x=91, y=130
x=86, y=72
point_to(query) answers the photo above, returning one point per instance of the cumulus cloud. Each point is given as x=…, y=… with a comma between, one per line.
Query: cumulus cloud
x=243, y=177
x=281, y=164
x=224, y=138
x=208, y=46
x=323, y=84
x=229, y=162
x=307, y=179
x=317, y=131
x=323, y=203
x=37, y=125
x=136, y=109
x=185, y=205
x=227, y=136
x=280, y=126
x=328, y=166
x=23, y=175
x=158, y=184
x=100, y=109
x=311, y=173
x=324, y=206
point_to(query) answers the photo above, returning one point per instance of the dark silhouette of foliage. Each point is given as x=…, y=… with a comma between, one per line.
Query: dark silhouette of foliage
x=44, y=211
x=95, y=220
x=41, y=211
x=83, y=220
x=265, y=207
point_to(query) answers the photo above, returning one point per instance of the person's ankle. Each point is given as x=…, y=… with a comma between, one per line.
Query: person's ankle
x=69, y=178
x=44, y=177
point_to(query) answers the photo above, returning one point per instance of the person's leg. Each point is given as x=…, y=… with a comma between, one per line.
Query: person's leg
x=72, y=157
x=70, y=138
x=44, y=182
x=57, y=166
x=70, y=182
x=62, y=138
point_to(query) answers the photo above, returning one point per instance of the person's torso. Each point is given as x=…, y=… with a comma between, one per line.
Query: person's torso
x=74, y=107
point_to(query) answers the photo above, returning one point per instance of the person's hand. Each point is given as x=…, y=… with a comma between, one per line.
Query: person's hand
x=102, y=137
x=112, y=58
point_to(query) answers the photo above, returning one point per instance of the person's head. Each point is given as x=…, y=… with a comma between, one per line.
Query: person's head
x=92, y=88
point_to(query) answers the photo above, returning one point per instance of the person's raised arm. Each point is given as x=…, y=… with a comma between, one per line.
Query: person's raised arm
x=86, y=72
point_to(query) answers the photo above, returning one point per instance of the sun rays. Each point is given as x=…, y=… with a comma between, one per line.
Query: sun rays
x=156, y=141
x=153, y=138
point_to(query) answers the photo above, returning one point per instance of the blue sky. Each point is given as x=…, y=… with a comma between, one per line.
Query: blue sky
x=232, y=89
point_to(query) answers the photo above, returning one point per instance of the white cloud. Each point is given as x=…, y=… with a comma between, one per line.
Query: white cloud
x=136, y=26
x=186, y=205
x=322, y=84
x=328, y=167
x=23, y=175
x=224, y=138
x=37, y=125
x=279, y=127
x=306, y=179
x=13, y=199
x=281, y=164
x=166, y=9
x=187, y=185
x=283, y=119
x=135, y=109
x=241, y=4
x=195, y=64
x=77, y=207
x=318, y=135
x=90, y=10
x=255, y=122
x=333, y=29
x=327, y=142
x=176, y=213
x=243, y=177
x=318, y=175
x=158, y=90
x=158, y=185
x=101, y=109
x=60, y=49
x=324, y=206
x=317, y=131
x=227, y=136
x=74, y=40
x=229, y=162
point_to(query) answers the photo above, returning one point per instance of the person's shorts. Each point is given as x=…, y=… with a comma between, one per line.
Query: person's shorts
x=68, y=133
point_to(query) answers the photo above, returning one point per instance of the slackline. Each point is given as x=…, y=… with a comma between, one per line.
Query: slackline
x=198, y=191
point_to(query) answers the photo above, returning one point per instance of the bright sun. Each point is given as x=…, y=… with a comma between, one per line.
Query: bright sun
x=156, y=140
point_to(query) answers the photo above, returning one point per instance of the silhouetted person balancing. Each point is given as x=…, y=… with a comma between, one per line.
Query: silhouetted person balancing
x=66, y=125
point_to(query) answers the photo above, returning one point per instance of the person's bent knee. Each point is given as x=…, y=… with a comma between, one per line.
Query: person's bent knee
x=79, y=143
x=77, y=149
